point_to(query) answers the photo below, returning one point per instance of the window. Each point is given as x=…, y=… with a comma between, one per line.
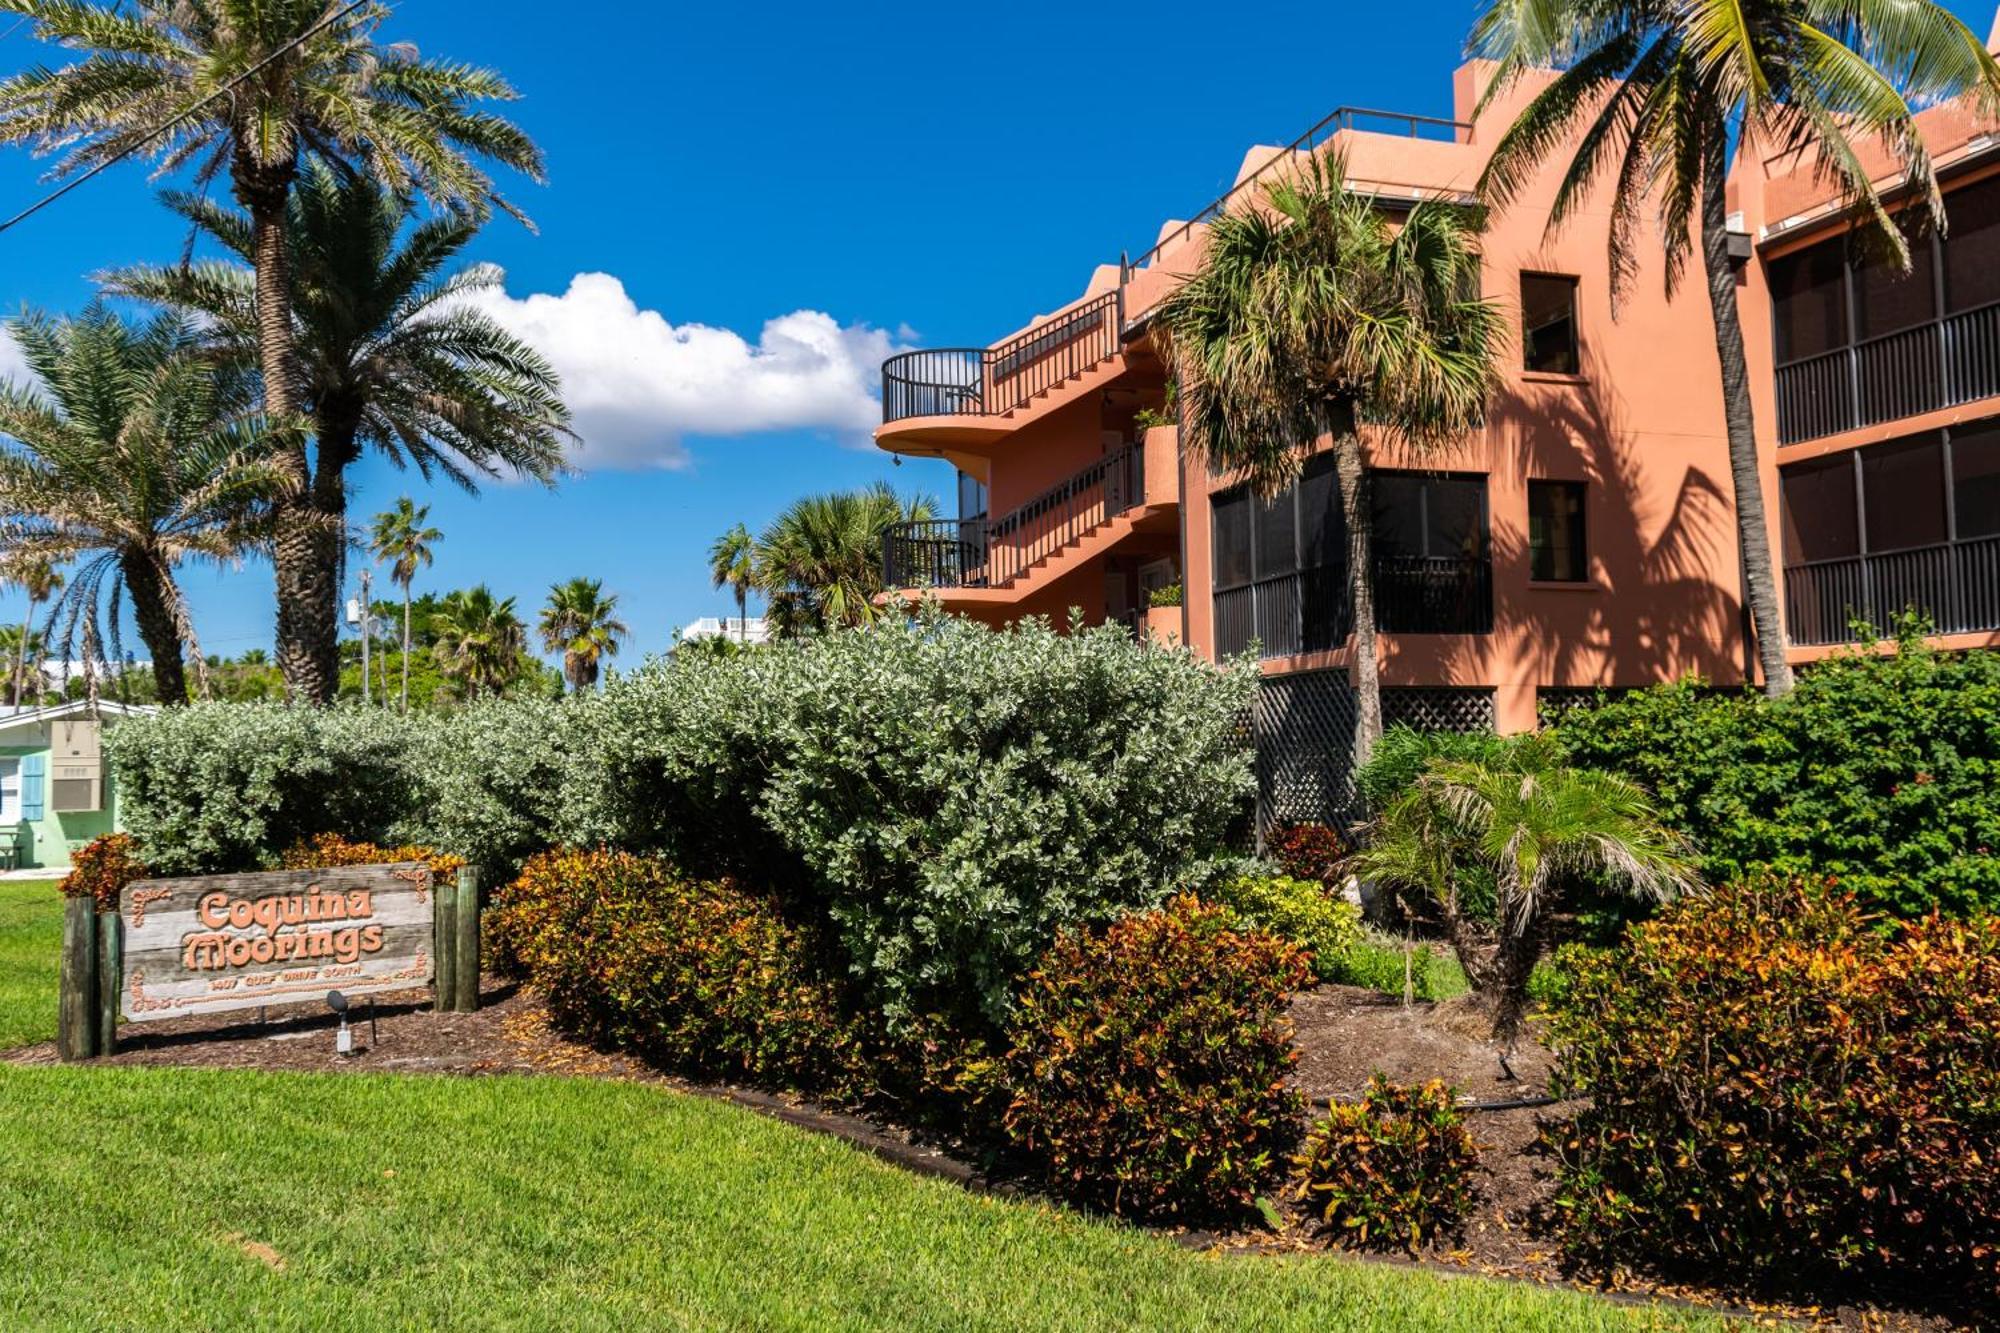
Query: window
x=1975, y=480
x=1809, y=301
x=1902, y=492
x=1426, y=517
x=1548, y=323
x=10, y=791
x=1232, y=540
x=1820, y=518
x=1277, y=566
x=1556, y=553
x=1972, y=247
x=1887, y=299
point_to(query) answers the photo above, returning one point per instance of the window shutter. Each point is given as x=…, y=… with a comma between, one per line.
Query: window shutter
x=34, y=769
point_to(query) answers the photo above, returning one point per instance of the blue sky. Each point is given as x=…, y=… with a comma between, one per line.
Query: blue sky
x=924, y=173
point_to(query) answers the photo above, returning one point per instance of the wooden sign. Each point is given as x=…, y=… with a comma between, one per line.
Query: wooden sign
x=222, y=942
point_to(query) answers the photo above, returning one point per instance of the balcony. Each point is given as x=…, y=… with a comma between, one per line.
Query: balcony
x=1308, y=611
x=1938, y=364
x=993, y=553
x=1955, y=585
x=996, y=381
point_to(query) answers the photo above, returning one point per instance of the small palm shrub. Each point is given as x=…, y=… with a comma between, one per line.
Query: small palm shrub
x=101, y=868
x=1394, y=1169
x=1301, y=911
x=1149, y=1064
x=699, y=977
x=1780, y=1086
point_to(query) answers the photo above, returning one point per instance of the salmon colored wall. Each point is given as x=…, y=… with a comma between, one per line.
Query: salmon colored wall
x=1641, y=424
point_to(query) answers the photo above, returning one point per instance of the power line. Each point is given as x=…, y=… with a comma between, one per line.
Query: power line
x=157, y=131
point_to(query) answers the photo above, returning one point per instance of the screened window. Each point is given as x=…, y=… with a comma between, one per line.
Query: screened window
x=1888, y=299
x=1903, y=493
x=1548, y=323
x=1972, y=246
x=1975, y=480
x=971, y=496
x=1429, y=517
x=1556, y=553
x=1809, y=301
x=1820, y=519
x=1232, y=540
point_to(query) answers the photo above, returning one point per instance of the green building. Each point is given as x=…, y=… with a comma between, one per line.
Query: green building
x=55, y=790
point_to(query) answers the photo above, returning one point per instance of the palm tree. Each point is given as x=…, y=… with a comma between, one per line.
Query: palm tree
x=314, y=83
x=732, y=563
x=403, y=537
x=136, y=453
x=22, y=643
x=1494, y=842
x=581, y=623
x=479, y=640
x=40, y=580
x=1661, y=91
x=1312, y=311
x=390, y=356
x=819, y=564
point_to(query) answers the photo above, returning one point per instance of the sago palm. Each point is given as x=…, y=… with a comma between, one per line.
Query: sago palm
x=131, y=454
x=1655, y=95
x=325, y=88
x=1312, y=311
x=479, y=640
x=1494, y=843
x=732, y=563
x=39, y=580
x=819, y=564
x=403, y=537
x=581, y=622
x=389, y=355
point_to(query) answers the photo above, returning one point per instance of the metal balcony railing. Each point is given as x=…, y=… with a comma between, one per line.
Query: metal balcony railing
x=1955, y=585
x=1309, y=611
x=992, y=553
x=993, y=381
x=1928, y=366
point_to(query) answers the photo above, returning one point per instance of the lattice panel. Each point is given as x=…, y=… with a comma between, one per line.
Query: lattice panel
x=1304, y=728
x=1553, y=702
x=1439, y=708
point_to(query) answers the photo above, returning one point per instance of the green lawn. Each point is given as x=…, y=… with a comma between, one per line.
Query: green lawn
x=134, y=1198
x=30, y=940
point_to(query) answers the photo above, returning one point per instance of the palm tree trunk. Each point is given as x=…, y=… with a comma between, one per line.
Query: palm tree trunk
x=1358, y=512
x=152, y=607
x=21, y=653
x=742, y=614
x=308, y=622
x=1753, y=528
x=406, y=649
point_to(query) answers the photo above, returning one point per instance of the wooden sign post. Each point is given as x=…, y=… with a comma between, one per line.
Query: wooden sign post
x=217, y=943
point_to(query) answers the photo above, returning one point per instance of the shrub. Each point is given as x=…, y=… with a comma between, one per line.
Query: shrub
x=1404, y=754
x=101, y=868
x=493, y=785
x=1395, y=1168
x=1300, y=911
x=903, y=781
x=219, y=787
x=1782, y=1087
x=1149, y=1064
x=1310, y=851
x=1881, y=770
x=700, y=977
x=327, y=850
x=1382, y=965
x=1170, y=595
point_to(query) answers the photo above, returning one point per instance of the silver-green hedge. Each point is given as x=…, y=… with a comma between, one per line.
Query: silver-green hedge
x=944, y=795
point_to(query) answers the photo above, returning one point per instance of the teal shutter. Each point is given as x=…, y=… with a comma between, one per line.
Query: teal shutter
x=34, y=769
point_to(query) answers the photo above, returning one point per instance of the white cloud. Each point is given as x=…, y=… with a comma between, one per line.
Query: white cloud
x=639, y=384
x=12, y=367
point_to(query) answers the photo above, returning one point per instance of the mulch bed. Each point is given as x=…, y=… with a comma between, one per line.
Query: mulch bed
x=1344, y=1035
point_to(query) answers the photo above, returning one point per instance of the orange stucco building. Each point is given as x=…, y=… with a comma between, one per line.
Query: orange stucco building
x=1585, y=537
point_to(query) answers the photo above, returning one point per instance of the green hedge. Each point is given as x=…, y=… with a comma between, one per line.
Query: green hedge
x=1881, y=770
x=942, y=797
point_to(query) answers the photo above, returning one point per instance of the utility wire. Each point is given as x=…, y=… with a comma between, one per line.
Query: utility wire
x=155, y=133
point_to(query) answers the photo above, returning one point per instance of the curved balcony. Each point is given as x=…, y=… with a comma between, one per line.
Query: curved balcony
x=995, y=381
